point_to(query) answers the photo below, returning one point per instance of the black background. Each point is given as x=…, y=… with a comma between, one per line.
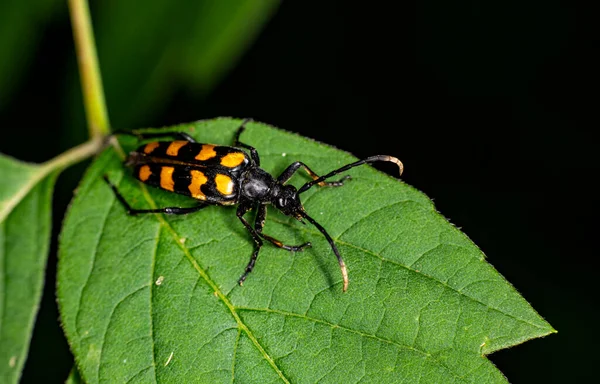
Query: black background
x=491, y=107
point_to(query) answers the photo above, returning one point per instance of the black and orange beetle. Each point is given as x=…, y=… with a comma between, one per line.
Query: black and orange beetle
x=222, y=175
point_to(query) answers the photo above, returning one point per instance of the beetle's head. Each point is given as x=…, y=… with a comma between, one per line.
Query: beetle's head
x=287, y=201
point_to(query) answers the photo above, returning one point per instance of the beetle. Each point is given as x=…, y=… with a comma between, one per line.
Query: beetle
x=227, y=175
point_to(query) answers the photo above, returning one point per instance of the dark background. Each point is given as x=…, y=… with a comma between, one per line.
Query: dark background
x=490, y=105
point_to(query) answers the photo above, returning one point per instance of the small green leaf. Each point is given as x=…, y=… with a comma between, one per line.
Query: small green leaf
x=25, y=209
x=74, y=377
x=226, y=29
x=153, y=298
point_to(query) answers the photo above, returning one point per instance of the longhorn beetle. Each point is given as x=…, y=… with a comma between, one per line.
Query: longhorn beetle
x=222, y=175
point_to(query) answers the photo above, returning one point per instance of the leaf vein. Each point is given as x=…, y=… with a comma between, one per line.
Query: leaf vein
x=358, y=221
x=141, y=372
x=150, y=298
x=197, y=355
x=357, y=332
x=110, y=317
x=235, y=348
x=89, y=275
x=290, y=267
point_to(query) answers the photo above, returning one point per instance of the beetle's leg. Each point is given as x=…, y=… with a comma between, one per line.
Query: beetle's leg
x=259, y=223
x=166, y=210
x=292, y=168
x=238, y=143
x=241, y=211
x=142, y=136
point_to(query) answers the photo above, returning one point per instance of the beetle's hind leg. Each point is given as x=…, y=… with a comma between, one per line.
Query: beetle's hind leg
x=238, y=143
x=293, y=168
x=166, y=210
x=259, y=223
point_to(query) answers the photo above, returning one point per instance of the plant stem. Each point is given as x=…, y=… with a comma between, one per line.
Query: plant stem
x=70, y=157
x=91, y=81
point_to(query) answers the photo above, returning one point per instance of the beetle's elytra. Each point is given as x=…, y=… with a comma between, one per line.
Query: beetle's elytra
x=223, y=175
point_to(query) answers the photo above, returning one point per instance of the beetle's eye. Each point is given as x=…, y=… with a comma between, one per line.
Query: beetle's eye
x=281, y=202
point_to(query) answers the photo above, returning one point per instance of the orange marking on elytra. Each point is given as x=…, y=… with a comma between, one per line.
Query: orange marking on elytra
x=224, y=184
x=144, y=172
x=207, y=152
x=166, y=178
x=198, y=179
x=150, y=147
x=175, y=146
x=232, y=160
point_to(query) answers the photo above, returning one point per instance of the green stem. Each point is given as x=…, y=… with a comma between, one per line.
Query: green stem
x=91, y=81
x=70, y=157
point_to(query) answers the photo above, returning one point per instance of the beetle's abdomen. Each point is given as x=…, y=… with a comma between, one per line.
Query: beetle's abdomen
x=204, y=172
x=204, y=184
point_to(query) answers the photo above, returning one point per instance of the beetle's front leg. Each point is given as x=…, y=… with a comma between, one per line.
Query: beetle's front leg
x=259, y=224
x=241, y=211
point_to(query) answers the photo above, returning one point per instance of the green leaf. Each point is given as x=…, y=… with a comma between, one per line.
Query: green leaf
x=74, y=377
x=153, y=298
x=216, y=43
x=25, y=209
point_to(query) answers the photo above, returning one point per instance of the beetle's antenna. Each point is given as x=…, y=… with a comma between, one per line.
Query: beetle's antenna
x=335, y=250
x=371, y=159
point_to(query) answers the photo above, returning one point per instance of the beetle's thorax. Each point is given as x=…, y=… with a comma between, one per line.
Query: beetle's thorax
x=260, y=187
x=257, y=185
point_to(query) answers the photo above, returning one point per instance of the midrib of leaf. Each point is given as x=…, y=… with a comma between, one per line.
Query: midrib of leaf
x=375, y=255
x=232, y=309
x=20, y=195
